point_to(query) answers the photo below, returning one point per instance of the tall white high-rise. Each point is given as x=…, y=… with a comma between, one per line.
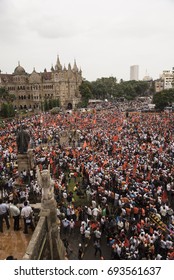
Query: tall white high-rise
x=134, y=72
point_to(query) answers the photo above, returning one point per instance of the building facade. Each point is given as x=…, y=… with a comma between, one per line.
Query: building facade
x=31, y=90
x=159, y=85
x=134, y=72
x=166, y=81
x=168, y=78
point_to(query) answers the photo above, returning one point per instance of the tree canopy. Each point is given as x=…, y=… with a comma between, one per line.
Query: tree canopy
x=6, y=99
x=5, y=96
x=109, y=88
x=163, y=99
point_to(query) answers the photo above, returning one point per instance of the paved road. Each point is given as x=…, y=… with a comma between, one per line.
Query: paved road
x=74, y=240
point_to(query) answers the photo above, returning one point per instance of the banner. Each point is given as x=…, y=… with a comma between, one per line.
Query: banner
x=155, y=219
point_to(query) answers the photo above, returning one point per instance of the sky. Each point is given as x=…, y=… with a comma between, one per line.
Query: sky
x=104, y=37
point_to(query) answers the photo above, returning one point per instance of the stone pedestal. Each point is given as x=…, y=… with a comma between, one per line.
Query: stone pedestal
x=57, y=248
x=30, y=158
x=25, y=161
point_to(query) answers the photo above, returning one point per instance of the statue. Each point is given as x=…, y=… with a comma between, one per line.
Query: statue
x=46, y=183
x=22, y=141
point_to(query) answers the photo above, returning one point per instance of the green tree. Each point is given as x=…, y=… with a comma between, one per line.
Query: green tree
x=57, y=103
x=6, y=99
x=11, y=111
x=5, y=96
x=163, y=99
x=4, y=110
x=108, y=88
x=50, y=104
x=104, y=88
x=86, y=93
x=54, y=103
x=46, y=108
x=7, y=110
x=132, y=89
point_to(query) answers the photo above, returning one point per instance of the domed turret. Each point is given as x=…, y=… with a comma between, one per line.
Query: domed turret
x=19, y=70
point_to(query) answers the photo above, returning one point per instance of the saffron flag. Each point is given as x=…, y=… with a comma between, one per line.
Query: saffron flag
x=127, y=179
x=84, y=144
x=124, y=165
x=115, y=138
x=10, y=149
x=148, y=176
x=164, y=197
x=119, y=128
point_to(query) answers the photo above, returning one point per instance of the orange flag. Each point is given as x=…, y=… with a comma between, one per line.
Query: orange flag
x=105, y=162
x=84, y=144
x=148, y=176
x=119, y=128
x=10, y=149
x=127, y=179
x=126, y=242
x=134, y=169
x=164, y=197
x=115, y=138
x=124, y=165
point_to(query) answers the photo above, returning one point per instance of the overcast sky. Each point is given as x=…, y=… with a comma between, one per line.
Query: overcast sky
x=105, y=37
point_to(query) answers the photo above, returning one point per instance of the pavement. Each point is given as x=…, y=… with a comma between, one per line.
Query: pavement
x=14, y=243
x=75, y=238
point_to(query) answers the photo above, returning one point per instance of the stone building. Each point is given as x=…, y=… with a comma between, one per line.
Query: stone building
x=166, y=81
x=32, y=89
x=168, y=78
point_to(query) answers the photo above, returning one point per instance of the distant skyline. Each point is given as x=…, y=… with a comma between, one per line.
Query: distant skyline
x=104, y=37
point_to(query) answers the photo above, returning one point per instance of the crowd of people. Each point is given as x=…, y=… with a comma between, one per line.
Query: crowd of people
x=121, y=165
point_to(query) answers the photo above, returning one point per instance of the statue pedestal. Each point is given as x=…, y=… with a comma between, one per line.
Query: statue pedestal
x=25, y=161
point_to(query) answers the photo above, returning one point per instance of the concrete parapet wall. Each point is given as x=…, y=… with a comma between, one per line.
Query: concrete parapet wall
x=45, y=242
x=36, y=244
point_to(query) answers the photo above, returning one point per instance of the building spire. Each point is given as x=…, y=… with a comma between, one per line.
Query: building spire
x=75, y=69
x=58, y=66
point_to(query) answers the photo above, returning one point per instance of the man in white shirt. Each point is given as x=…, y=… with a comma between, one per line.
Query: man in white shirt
x=87, y=236
x=15, y=213
x=65, y=224
x=97, y=234
x=71, y=226
x=3, y=215
x=95, y=212
x=27, y=213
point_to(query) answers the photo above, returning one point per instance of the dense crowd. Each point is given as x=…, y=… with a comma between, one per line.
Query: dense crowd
x=121, y=164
